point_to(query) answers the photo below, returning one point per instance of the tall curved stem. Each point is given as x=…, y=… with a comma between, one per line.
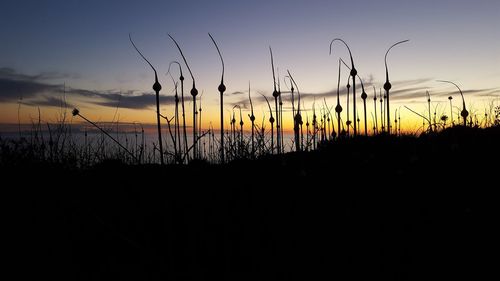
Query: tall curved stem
x=222, y=89
x=353, y=73
x=156, y=88
x=388, y=86
x=194, y=93
x=464, y=112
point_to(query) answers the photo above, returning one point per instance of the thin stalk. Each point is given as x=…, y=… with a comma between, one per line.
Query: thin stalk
x=199, y=123
x=307, y=131
x=451, y=108
x=222, y=89
x=252, y=119
x=388, y=86
x=314, y=125
x=241, y=132
x=338, y=108
x=396, y=121
x=194, y=93
x=77, y=112
x=280, y=102
x=399, y=119
x=375, y=109
x=464, y=113
x=276, y=94
x=181, y=78
x=429, y=105
x=297, y=118
x=353, y=74
x=363, y=97
x=177, y=130
x=156, y=88
x=271, y=120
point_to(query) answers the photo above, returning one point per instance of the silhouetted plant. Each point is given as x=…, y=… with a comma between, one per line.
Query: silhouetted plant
x=177, y=130
x=297, y=117
x=307, y=132
x=338, y=107
x=451, y=108
x=221, y=89
x=396, y=121
x=276, y=94
x=364, y=96
x=241, y=133
x=382, y=106
x=199, y=125
x=444, y=118
x=76, y=112
x=429, y=107
x=375, y=123
x=399, y=119
x=252, y=119
x=280, y=111
x=271, y=120
x=314, y=125
x=156, y=88
x=181, y=78
x=464, y=113
x=388, y=86
x=353, y=74
x=194, y=93
x=496, y=120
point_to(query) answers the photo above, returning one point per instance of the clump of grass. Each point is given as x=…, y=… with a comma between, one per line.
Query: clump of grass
x=156, y=88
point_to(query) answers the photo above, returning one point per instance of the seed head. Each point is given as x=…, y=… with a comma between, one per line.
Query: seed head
x=156, y=86
x=222, y=88
x=75, y=112
x=464, y=113
x=194, y=92
x=387, y=86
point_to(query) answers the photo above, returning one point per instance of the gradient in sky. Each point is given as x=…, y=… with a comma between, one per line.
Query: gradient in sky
x=84, y=46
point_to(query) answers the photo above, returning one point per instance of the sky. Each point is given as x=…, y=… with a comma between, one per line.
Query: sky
x=79, y=51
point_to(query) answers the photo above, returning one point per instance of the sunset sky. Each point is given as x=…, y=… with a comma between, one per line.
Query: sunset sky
x=84, y=45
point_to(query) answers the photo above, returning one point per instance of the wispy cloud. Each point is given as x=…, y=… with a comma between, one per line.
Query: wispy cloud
x=32, y=90
x=12, y=74
x=405, y=90
x=49, y=101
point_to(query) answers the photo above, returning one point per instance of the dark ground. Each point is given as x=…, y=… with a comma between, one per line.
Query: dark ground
x=379, y=208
